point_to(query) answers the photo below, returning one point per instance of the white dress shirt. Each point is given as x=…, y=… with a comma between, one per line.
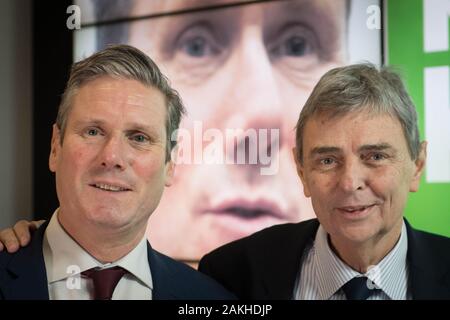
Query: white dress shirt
x=65, y=260
x=323, y=273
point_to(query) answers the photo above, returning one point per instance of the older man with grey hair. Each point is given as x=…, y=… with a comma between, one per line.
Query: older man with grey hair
x=358, y=155
x=110, y=152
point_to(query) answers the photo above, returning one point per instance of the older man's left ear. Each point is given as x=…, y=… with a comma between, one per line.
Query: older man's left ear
x=419, y=167
x=301, y=173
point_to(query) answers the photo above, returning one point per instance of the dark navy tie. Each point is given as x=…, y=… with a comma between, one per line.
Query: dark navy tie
x=105, y=281
x=359, y=288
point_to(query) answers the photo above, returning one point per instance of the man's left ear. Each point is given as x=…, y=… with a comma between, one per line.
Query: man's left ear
x=301, y=173
x=419, y=166
x=170, y=171
x=55, y=148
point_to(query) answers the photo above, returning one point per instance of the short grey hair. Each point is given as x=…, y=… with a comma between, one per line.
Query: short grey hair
x=361, y=88
x=123, y=61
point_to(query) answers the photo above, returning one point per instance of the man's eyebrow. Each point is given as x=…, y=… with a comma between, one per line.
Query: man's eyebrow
x=324, y=149
x=133, y=127
x=376, y=147
x=88, y=122
x=143, y=128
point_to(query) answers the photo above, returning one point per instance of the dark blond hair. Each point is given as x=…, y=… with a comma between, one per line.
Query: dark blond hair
x=123, y=61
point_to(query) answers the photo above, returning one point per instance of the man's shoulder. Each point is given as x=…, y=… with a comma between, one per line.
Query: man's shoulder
x=22, y=273
x=5, y=257
x=30, y=251
x=5, y=275
x=433, y=244
x=429, y=262
x=275, y=237
x=433, y=237
x=269, y=258
x=187, y=282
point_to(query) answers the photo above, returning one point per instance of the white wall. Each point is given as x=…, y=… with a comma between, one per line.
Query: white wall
x=15, y=111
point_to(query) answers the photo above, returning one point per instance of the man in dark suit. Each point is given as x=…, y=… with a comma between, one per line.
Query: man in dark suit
x=111, y=154
x=358, y=155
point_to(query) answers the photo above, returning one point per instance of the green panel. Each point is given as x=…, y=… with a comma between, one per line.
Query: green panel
x=428, y=209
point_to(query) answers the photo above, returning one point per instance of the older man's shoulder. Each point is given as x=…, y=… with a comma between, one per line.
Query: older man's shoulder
x=275, y=237
x=434, y=244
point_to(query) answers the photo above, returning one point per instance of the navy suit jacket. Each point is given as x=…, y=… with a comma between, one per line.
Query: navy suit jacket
x=266, y=264
x=23, y=276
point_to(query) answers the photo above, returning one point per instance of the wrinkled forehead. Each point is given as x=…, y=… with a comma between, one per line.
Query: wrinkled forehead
x=331, y=125
x=365, y=110
x=106, y=96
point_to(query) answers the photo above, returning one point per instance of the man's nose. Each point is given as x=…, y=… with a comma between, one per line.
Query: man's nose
x=353, y=177
x=255, y=90
x=112, y=154
x=254, y=94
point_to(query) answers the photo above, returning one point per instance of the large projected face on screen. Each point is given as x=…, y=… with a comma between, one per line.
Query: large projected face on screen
x=244, y=73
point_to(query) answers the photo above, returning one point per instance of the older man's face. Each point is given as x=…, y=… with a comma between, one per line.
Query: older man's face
x=246, y=67
x=358, y=172
x=111, y=168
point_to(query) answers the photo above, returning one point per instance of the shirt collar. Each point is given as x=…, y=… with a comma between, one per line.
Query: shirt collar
x=64, y=257
x=332, y=273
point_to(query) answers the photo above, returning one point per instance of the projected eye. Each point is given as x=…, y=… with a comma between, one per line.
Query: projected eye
x=295, y=46
x=196, y=53
x=196, y=47
x=197, y=44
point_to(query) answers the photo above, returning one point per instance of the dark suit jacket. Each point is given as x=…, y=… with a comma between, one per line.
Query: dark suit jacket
x=265, y=265
x=23, y=276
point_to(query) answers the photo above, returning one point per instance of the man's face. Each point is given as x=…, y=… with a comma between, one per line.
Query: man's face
x=111, y=169
x=358, y=172
x=247, y=67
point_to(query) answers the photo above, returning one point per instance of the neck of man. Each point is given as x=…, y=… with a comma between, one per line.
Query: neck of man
x=104, y=243
x=362, y=255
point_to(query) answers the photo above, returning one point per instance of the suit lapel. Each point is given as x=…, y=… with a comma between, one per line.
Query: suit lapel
x=283, y=263
x=164, y=287
x=26, y=277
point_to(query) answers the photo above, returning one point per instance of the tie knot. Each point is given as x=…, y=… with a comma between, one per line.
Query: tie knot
x=359, y=288
x=105, y=281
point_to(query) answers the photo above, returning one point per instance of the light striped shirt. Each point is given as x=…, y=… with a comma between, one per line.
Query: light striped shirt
x=323, y=273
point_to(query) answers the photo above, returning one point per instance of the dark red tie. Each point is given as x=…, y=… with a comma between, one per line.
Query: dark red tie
x=105, y=281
